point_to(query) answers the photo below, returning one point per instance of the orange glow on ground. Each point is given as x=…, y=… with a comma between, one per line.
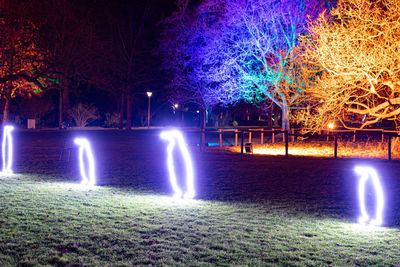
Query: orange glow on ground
x=326, y=149
x=279, y=149
x=297, y=151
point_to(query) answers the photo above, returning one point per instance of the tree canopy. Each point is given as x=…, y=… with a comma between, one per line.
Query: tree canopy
x=357, y=46
x=21, y=59
x=227, y=51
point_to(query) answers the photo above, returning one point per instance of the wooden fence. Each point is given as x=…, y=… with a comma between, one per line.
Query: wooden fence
x=293, y=133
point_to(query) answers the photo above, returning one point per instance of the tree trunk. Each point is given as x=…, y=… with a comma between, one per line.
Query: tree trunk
x=202, y=127
x=276, y=115
x=128, y=112
x=60, y=109
x=9, y=85
x=270, y=116
x=202, y=118
x=285, y=118
x=65, y=100
x=208, y=111
x=122, y=111
x=5, y=112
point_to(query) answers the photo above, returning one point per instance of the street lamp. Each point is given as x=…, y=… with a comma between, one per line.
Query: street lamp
x=148, y=109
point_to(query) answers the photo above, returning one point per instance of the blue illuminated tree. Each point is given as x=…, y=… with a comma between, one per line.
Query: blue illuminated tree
x=188, y=39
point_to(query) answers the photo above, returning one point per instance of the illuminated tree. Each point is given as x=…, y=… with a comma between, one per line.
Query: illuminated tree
x=188, y=41
x=357, y=47
x=257, y=49
x=20, y=58
x=225, y=51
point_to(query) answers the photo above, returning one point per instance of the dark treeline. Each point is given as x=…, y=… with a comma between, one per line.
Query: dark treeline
x=62, y=59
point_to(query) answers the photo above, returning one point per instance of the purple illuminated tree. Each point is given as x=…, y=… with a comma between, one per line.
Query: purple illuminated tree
x=189, y=37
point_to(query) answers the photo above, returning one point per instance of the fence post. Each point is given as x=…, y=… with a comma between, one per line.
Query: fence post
x=383, y=137
x=273, y=136
x=262, y=136
x=242, y=143
x=390, y=147
x=327, y=136
x=292, y=135
x=354, y=136
x=249, y=136
x=286, y=143
x=335, y=137
x=236, y=137
x=220, y=138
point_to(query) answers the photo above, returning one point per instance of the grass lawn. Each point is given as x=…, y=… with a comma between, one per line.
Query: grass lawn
x=252, y=210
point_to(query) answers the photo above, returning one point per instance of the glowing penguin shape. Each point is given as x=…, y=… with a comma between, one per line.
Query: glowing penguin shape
x=88, y=178
x=7, y=150
x=365, y=173
x=175, y=137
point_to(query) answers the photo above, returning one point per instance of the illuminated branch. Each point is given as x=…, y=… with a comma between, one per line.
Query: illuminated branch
x=22, y=76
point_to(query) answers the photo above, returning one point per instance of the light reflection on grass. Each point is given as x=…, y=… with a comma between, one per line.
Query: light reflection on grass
x=60, y=223
x=6, y=174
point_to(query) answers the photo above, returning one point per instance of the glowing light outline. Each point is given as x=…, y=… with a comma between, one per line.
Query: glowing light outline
x=84, y=146
x=174, y=136
x=7, y=142
x=365, y=173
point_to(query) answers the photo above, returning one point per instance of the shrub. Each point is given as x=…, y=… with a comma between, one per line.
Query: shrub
x=112, y=120
x=83, y=114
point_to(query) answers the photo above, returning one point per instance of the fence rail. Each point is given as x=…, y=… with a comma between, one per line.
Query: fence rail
x=293, y=133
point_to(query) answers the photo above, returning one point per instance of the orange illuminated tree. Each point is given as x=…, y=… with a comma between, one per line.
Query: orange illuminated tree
x=354, y=52
x=20, y=58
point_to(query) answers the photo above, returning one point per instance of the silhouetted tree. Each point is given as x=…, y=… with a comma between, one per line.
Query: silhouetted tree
x=73, y=51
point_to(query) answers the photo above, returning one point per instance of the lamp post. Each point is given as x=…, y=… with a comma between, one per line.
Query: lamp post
x=148, y=109
x=175, y=106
